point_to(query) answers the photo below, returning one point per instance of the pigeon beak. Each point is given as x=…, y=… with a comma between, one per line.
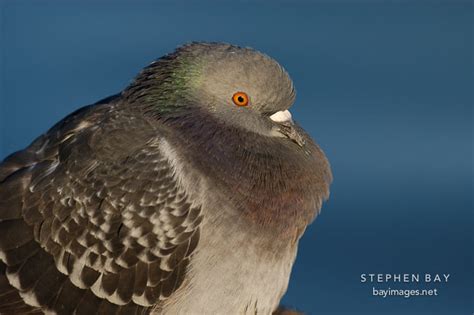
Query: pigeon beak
x=282, y=116
x=286, y=126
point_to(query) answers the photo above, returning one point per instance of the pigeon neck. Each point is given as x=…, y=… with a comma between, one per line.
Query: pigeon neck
x=271, y=181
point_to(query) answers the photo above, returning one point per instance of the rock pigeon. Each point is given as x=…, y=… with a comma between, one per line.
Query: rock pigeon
x=186, y=193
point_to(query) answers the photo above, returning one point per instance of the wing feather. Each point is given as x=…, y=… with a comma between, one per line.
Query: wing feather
x=93, y=217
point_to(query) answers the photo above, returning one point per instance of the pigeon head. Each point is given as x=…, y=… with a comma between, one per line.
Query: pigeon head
x=240, y=87
x=240, y=79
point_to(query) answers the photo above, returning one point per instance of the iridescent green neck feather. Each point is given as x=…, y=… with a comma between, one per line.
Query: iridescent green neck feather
x=163, y=87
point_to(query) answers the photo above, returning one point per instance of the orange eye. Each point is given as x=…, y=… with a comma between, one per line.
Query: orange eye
x=240, y=99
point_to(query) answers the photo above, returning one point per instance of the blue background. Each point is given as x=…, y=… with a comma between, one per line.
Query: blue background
x=384, y=87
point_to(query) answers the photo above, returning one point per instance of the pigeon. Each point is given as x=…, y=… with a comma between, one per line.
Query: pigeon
x=186, y=193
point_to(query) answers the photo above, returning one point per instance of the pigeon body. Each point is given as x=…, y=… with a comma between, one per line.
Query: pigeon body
x=186, y=193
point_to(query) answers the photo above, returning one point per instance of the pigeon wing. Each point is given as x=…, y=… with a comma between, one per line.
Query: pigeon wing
x=93, y=218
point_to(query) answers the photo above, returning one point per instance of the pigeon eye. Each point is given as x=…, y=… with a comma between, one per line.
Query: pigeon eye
x=240, y=99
